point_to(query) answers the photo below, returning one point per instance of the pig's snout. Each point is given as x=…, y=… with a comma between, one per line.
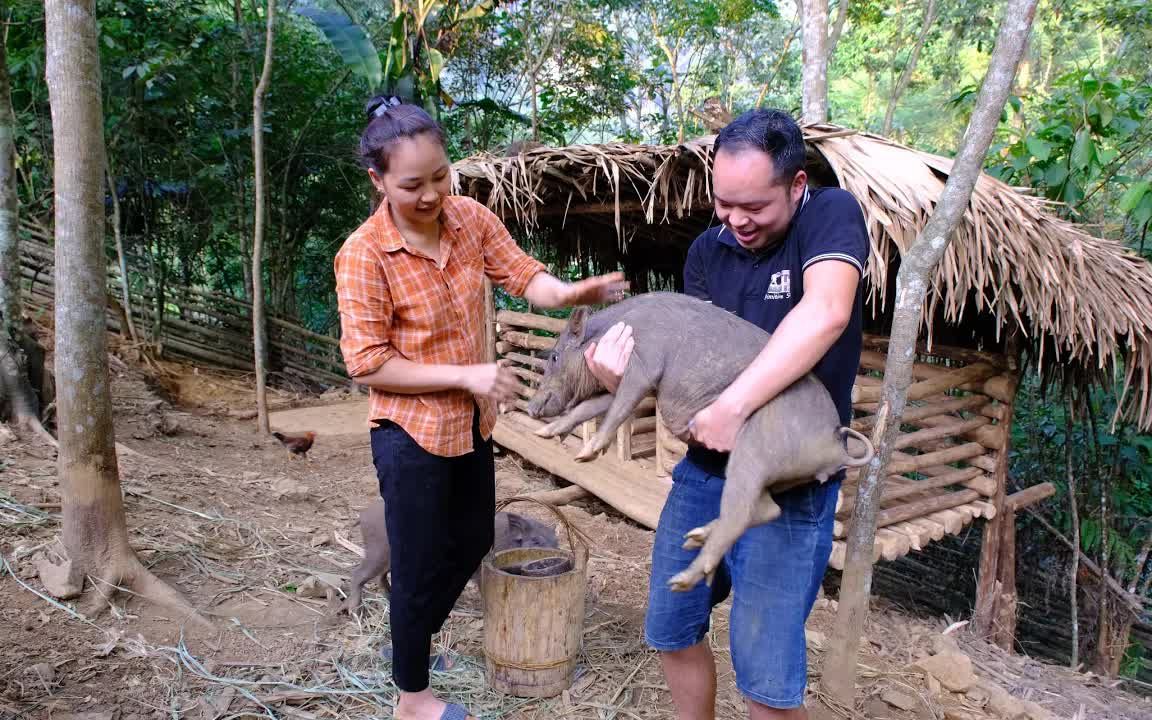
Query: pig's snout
x=546, y=403
x=536, y=404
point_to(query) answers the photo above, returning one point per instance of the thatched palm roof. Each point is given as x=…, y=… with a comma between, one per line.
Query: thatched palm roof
x=1085, y=301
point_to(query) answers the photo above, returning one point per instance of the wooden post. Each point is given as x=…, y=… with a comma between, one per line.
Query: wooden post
x=1004, y=632
x=661, y=451
x=489, y=322
x=624, y=440
x=990, y=587
x=587, y=430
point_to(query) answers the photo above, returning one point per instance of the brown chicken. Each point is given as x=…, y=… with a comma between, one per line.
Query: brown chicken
x=297, y=443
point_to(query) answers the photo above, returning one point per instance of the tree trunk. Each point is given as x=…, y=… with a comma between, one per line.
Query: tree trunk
x=259, y=331
x=909, y=67
x=815, y=61
x=125, y=297
x=10, y=303
x=1073, y=594
x=17, y=398
x=916, y=270
x=94, y=532
x=837, y=28
x=535, y=110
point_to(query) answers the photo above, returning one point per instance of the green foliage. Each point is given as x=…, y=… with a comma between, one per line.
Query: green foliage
x=350, y=40
x=1082, y=136
x=1112, y=469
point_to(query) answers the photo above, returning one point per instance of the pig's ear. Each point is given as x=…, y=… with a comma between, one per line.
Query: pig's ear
x=577, y=321
x=517, y=524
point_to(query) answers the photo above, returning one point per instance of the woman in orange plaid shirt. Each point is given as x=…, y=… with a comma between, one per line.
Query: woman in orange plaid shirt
x=410, y=287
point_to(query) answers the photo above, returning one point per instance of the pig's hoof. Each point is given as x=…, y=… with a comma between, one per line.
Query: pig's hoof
x=685, y=581
x=588, y=452
x=545, y=431
x=696, y=538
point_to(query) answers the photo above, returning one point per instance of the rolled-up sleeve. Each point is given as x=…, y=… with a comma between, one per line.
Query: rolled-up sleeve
x=365, y=303
x=504, y=262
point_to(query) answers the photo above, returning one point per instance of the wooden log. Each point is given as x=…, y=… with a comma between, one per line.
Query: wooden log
x=949, y=428
x=524, y=340
x=892, y=544
x=529, y=375
x=562, y=496
x=919, y=537
x=489, y=322
x=587, y=430
x=983, y=509
x=924, y=507
x=926, y=410
x=909, y=463
x=986, y=612
x=624, y=440
x=996, y=411
x=1004, y=620
x=531, y=320
x=305, y=332
x=634, y=494
x=522, y=359
x=953, y=522
x=895, y=489
x=661, y=451
x=934, y=529
x=879, y=343
x=979, y=429
x=1029, y=496
x=997, y=386
x=674, y=445
x=931, y=386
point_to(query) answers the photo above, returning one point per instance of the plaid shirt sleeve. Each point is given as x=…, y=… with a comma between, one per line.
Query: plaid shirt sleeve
x=504, y=262
x=365, y=303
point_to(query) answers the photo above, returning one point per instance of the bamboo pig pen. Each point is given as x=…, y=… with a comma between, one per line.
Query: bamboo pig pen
x=949, y=468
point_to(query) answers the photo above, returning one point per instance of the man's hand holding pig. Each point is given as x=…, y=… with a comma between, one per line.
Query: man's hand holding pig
x=491, y=380
x=716, y=426
x=607, y=358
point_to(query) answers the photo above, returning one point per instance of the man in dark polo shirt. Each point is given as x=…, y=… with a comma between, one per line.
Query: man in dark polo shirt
x=789, y=259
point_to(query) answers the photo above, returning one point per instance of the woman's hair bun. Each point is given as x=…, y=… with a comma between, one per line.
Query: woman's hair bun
x=380, y=104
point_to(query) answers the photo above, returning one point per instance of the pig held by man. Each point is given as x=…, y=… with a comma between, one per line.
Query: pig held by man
x=688, y=351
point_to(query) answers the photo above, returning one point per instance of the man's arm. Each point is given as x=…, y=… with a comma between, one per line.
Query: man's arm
x=800, y=340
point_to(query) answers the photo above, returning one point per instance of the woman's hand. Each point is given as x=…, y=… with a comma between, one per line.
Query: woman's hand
x=595, y=290
x=491, y=380
x=607, y=359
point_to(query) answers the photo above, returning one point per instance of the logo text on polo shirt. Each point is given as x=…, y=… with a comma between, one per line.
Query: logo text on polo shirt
x=779, y=286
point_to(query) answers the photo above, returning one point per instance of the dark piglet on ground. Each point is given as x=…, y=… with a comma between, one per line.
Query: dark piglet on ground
x=512, y=531
x=688, y=351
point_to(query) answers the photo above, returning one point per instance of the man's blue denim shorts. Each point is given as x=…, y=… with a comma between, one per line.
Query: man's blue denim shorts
x=774, y=572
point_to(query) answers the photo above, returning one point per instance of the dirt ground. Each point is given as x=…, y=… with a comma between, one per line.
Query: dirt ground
x=251, y=537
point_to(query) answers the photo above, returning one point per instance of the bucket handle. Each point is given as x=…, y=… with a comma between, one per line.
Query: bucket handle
x=574, y=533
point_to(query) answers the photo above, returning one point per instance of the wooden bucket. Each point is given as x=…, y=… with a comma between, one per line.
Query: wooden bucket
x=534, y=626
